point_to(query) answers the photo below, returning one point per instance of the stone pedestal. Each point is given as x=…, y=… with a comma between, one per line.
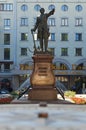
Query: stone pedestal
x=42, y=78
x=43, y=94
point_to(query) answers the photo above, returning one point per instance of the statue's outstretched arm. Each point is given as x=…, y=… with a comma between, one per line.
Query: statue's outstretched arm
x=51, y=12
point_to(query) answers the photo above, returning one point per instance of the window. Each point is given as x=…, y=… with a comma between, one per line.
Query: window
x=6, y=53
x=24, y=36
x=24, y=21
x=64, y=37
x=52, y=37
x=64, y=8
x=64, y=51
x=7, y=23
x=51, y=21
x=63, y=66
x=24, y=7
x=6, y=39
x=64, y=22
x=78, y=8
x=78, y=22
x=78, y=37
x=51, y=7
x=6, y=66
x=78, y=51
x=6, y=7
x=80, y=67
x=37, y=7
x=23, y=51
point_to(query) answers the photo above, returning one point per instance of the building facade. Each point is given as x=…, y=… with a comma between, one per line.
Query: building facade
x=67, y=40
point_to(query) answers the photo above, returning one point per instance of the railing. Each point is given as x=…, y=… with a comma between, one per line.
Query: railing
x=56, y=72
x=70, y=72
x=15, y=72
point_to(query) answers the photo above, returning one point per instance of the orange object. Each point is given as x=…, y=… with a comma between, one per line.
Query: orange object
x=5, y=100
x=78, y=100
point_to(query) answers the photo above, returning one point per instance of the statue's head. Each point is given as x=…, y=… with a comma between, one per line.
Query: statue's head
x=42, y=10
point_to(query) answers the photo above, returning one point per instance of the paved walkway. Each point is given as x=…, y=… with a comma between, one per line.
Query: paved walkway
x=25, y=117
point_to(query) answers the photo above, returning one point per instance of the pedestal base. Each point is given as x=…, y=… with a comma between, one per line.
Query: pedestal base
x=42, y=94
x=42, y=78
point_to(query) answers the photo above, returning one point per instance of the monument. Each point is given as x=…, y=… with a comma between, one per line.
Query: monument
x=42, y=78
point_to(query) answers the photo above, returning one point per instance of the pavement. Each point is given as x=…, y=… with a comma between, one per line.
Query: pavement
x=42, y=116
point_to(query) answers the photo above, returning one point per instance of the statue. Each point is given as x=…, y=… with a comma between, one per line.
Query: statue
x=43, y=29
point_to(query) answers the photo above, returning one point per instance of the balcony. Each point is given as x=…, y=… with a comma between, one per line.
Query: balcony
x=70, y=72
x=56, y=72
x=28, y=70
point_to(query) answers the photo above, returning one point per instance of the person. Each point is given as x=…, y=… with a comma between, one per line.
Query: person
x=43, y=29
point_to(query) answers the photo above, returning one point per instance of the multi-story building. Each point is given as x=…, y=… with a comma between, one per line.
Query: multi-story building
x=67, y=40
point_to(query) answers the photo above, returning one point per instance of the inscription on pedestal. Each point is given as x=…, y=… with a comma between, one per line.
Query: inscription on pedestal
x=42, y=75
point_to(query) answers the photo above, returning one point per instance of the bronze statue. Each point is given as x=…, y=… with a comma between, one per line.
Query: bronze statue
x=43, y=29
